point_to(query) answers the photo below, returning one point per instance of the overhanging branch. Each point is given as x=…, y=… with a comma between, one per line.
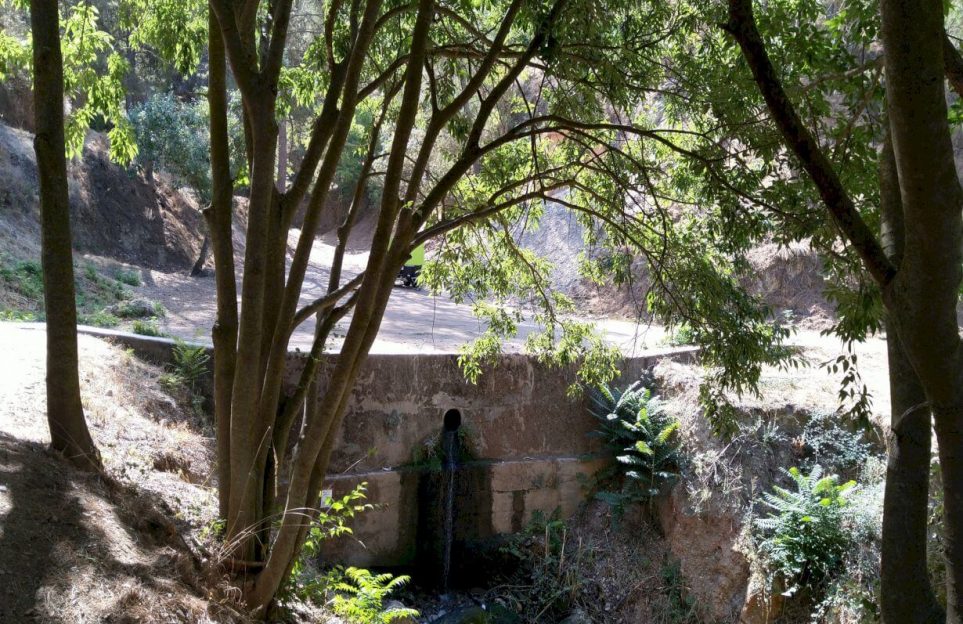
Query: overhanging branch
x=742, y=27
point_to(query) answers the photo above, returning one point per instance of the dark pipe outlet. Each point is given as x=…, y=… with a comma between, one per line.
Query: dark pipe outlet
x=452, y=420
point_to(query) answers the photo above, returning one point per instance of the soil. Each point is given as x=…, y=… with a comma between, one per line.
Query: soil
x=102, y=548
x=115, y=212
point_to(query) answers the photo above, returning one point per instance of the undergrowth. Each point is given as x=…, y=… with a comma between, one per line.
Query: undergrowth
x=355, y=594
x=554, y=569
x=147, y=327
x=21, y=292
x=803, y=538
x=642, y=436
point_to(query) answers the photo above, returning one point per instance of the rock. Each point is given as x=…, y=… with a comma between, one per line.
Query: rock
x=479, y=615
x=397, y=604
x=577, y=617
x=470, y=615
x=707, y=549
x=761, y=608
x=763, y=605
x=135, y=308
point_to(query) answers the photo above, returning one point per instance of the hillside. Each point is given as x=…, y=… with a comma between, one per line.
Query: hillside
x=79, y=548
x=116, y=213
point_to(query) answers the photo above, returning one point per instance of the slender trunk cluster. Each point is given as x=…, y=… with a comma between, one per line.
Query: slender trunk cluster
x=265, y=524
x=65, y=413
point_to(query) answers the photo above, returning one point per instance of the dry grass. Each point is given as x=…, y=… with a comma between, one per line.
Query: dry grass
x=81, y=548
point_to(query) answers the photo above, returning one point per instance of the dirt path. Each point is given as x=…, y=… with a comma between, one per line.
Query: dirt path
x=414, y=322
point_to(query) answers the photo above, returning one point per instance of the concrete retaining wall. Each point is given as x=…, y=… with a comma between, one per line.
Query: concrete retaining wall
x=530, y=444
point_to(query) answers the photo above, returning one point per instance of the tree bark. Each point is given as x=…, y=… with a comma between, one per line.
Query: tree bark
x=65, y=413
x=920, y=294
x=282, y=156
x=202, y=256
x=924, y=295
x=906, y=594
x=219, y=217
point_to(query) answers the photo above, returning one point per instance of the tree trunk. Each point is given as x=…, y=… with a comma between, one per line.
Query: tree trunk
x=202, y=256
x=219, y=218
x=922, y=298
x=906, y=593
x=950, y=437
x=921, y=293
x=282, y=156
x=65, y=413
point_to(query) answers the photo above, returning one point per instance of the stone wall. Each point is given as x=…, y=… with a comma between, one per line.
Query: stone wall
x=530, y=444
x=527, y=442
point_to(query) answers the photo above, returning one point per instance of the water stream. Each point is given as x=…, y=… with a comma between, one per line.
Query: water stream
x=450, y=449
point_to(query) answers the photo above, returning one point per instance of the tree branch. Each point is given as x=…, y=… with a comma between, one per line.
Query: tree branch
x=742, y=27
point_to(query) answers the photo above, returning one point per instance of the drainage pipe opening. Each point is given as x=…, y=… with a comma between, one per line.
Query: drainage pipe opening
x=452, y=420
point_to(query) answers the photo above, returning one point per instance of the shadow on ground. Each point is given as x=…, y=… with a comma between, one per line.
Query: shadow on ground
x=75, y=545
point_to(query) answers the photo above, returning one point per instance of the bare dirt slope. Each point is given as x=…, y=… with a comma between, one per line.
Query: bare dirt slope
x=80, y=548
x=115, y=212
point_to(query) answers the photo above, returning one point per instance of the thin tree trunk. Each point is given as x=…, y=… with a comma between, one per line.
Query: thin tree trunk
x=65, y=412
x=219, y=224
x=282, y=156
x=202, y=256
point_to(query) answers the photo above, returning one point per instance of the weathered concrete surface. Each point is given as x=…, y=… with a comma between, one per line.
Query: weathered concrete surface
x=518, y=410
x=530, y=441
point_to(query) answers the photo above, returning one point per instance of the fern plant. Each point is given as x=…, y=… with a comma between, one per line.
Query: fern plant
x=332, y=520
x=804, y=539
x=190, y=363
x=642, y=436
x=361, y=594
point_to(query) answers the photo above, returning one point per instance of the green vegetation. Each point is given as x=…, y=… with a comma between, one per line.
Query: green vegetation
x=333, y=520
x=804, y=539
x=173, y=136
x=23, y=277
x=681, y=606
x=359, y=597
x=830, y=443
x=127, y=276
x=681, y=336
x=147, y=327
x=354, y=594
x=101, y=318
x=190, y=363
x=643, y=438
x=99, y=293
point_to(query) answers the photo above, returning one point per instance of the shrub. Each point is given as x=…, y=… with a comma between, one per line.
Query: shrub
x=127, y=276
x=681, y=336
x=190, y=363
x=101, y=318
x=148, y=327
x=547, y=578
x=803, y=539
x=832, y=444
x=332, y=521
x=643, y=436
x=360, y=597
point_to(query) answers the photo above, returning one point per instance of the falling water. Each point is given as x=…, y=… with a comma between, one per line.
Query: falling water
x=450, y=468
